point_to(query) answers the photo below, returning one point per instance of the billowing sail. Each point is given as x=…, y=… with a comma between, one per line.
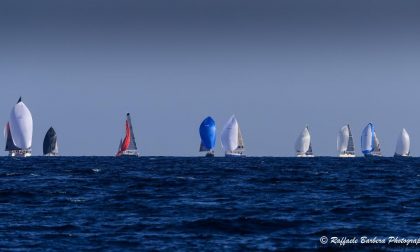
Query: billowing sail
x=10, y=146
x=128, y=146
x=232, y=141
x=207, y=134
x=343, y=139
x=367, y=138
x=303, y=142
x=21, y=126
x=345, y=144
x=230, y=135
x=50, y=146
x=403, y=144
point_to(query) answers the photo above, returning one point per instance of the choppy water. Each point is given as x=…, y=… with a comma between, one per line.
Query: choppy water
x=101, y=203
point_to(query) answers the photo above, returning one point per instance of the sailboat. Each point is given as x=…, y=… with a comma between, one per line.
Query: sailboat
x=128, y=146
x=208, y=136
x=370, y=142
x=50, y=145
x=403, y=145
x=232, y=141
x=345, y=143
x=303, y=145
x=18, y=131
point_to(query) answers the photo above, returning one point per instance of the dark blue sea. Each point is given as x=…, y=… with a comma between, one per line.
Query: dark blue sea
x=207, y=204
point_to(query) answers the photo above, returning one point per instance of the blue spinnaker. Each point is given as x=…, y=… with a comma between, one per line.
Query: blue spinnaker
x=208, y=133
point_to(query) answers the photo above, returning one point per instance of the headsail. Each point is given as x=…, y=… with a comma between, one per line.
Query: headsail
x=367, y=138
x=403, y=144
x=230, y=134
x=207, y=132
x=345, y=144
x=21, y=126
x=303, y=142
x=50, y=146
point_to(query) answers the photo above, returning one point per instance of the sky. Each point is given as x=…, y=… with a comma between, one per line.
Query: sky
x=80, y=65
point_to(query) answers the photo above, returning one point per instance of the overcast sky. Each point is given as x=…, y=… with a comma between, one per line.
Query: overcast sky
x=80, y=65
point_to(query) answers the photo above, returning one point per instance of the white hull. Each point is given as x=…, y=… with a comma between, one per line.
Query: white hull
x=129, y=153
x=51, y=155
x=403, y=156
x=233, y=154
x=20, y=153
x=304, y=155
x=347, y=155
x=373, y=155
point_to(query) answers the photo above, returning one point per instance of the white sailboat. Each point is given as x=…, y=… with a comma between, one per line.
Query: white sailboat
x=18, y=131
x=303, y=145
x=370, y=142
x=403, y=145
x=232, y=141
x=345, y=143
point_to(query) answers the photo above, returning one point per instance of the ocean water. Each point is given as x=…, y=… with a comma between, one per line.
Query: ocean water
x=210, y=204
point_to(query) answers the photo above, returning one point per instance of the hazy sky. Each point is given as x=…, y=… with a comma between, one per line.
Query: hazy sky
x=80, y=65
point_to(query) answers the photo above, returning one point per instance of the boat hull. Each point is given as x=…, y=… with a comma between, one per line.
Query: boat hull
x=347, y=155
x=129, y=153
x=232, y=154
x=209, y=154
x=20, y=153
x=304, y=155
x=401, y=156
x=373, y=155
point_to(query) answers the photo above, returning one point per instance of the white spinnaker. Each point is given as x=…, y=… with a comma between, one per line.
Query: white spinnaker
x=403, y=144
x=21, y=126
x=343, y=139
x=367, y=139
x=303, y=141
x=230, y=135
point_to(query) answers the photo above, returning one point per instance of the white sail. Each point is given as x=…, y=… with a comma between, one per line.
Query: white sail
x=303, y=141
x=230, y=135
x=343, y=139
x=367, y=139
x=403, y=144
x=21, y=126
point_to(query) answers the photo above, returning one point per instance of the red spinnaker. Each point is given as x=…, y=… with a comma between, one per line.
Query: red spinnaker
x=127, y=138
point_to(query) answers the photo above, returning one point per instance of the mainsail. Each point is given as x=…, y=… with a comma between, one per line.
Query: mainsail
x=50, y=146
x=10, y=146
x=303, y=142
x=403, y=144
x=207, y=132
x=350, y=145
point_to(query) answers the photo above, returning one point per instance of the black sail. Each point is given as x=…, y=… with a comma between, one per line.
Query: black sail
x=50, y=142
x=10, y=145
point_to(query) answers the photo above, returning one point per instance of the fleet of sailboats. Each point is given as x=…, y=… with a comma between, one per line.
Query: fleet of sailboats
x=128, y=145
x=303, y=145
x=232, y=141
x=50, y=146
x=19, y=129
x=207, y=132
x=345, y=143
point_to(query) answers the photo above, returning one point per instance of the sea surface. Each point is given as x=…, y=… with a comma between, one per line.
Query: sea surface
x=206, y=204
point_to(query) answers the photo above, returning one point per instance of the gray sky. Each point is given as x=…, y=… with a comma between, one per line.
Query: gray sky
x=277, y=65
